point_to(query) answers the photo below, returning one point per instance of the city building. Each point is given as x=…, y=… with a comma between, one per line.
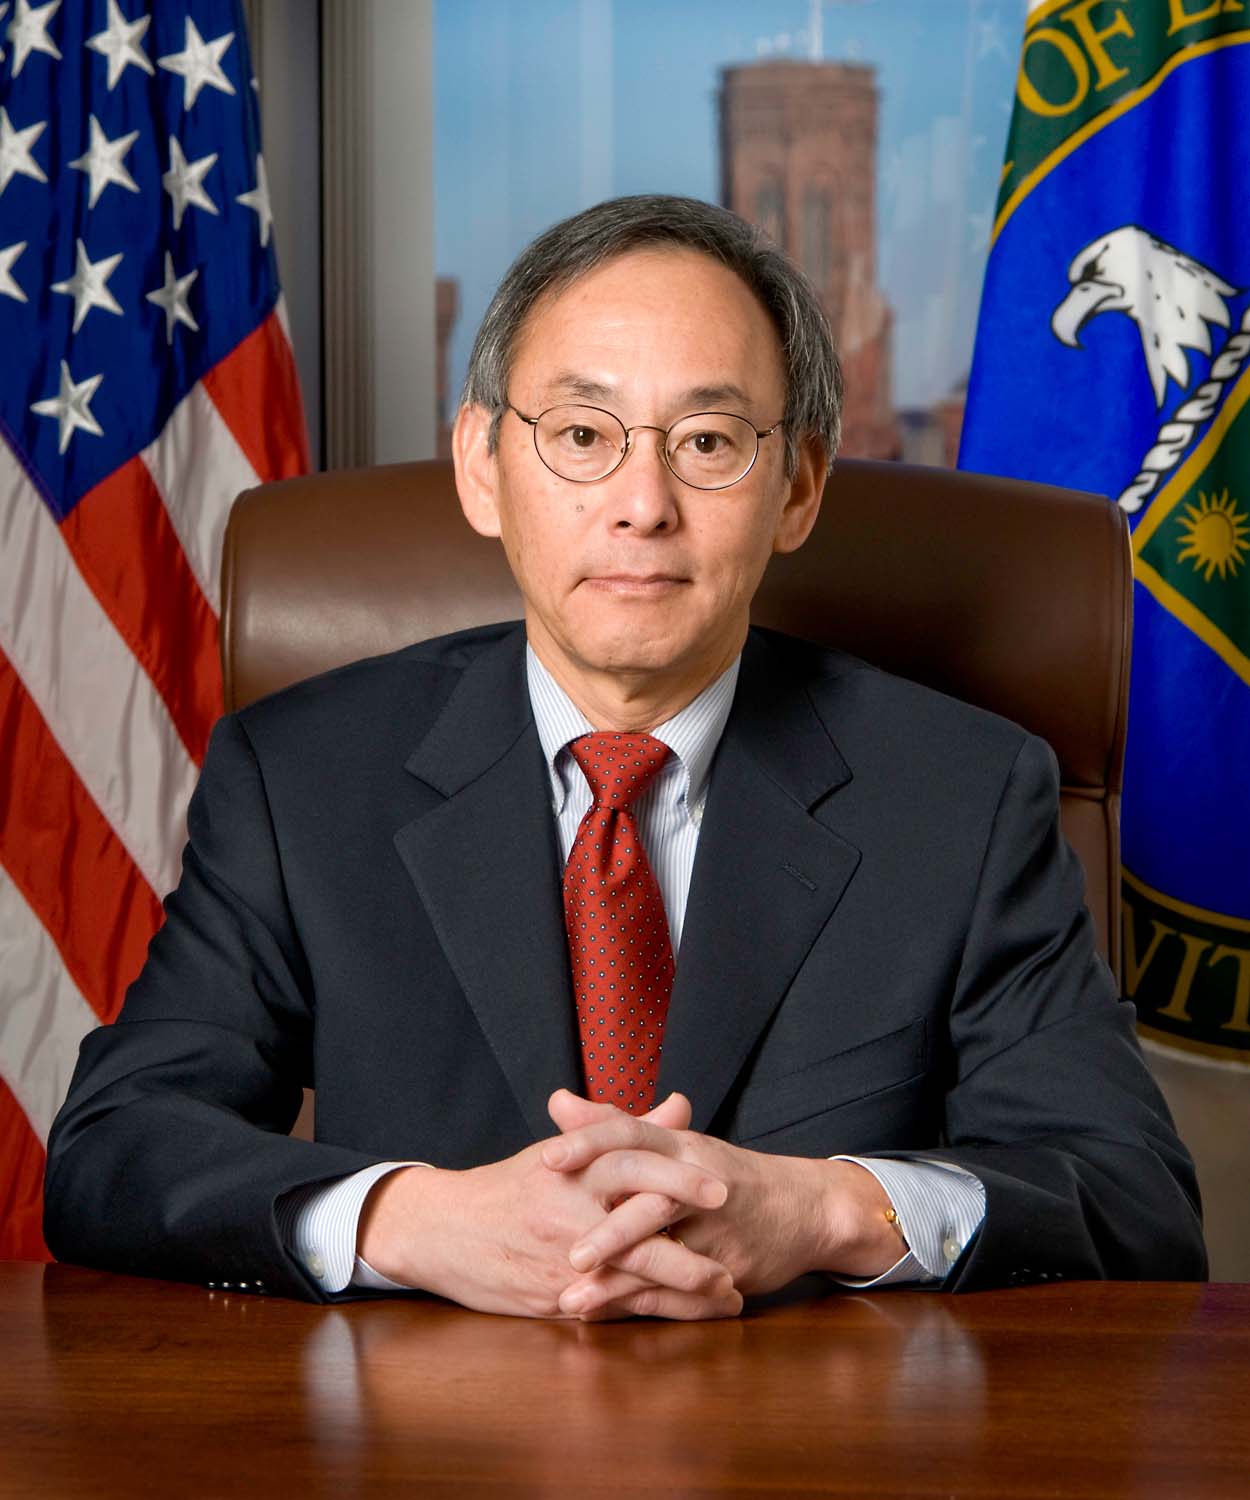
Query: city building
x=798, y=146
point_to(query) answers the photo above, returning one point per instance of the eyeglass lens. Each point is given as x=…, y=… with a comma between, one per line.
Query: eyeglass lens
x=707, y=449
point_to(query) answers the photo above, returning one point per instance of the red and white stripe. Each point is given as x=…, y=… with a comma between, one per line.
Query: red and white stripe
x=109, y=685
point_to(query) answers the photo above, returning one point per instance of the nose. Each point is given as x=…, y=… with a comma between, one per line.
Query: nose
x=644, y=488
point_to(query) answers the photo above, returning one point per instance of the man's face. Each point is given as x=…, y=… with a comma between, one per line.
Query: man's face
x=638, y=575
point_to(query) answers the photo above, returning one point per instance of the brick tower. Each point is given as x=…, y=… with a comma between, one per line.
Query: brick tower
x=799, y=158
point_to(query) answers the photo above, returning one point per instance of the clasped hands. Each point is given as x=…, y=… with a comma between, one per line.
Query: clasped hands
x=621, y=1216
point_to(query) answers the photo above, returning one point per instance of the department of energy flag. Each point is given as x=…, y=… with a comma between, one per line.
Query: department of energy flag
x=1113, y=354
x=145, y=379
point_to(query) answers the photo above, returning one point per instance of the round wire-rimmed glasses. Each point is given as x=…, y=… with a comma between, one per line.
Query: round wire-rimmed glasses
x=708, y=450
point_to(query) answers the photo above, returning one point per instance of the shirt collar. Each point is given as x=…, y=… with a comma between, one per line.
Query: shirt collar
x=692, y=735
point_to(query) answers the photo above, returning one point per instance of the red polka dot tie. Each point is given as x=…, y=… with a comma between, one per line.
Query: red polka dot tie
x=619, y=947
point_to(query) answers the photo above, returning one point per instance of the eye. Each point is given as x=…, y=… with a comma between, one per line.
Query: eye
x=707, y=442
x=579, y=435
x=711, y=448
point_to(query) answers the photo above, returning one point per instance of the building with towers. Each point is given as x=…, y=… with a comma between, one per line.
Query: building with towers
x=798, y=143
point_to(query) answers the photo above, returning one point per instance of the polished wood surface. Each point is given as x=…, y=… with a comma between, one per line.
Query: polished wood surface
x=118, y=1387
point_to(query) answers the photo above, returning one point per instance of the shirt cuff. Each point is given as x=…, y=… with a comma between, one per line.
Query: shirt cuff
x=939, y=1206
x=365, y=1277
x=318, y=1226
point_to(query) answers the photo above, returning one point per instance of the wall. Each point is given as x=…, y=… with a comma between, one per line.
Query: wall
x=347, y=104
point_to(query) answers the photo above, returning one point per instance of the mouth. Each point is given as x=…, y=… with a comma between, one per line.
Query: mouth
x=635, y=585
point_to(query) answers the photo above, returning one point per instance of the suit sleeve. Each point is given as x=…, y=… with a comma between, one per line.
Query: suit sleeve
x=1050, y=1103
x=171, y=1149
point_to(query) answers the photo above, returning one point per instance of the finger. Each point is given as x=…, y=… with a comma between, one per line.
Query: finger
x=617, y=1132
x=635, y=1223
x=692, y=1275
x=662, y=1261
x=663, y=1302
x=674, y=1188
x=656, y=1257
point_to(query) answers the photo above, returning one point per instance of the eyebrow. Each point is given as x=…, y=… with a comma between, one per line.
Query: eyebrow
x=706, y=395
x=696, y=398
x=570, y=384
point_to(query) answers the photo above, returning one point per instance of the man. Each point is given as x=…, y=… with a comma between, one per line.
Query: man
x=448, y=886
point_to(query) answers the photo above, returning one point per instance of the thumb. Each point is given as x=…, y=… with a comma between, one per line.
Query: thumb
x=570, y=1111
x=673, y=1113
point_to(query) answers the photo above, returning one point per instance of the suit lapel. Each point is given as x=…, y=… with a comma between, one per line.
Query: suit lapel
x=767, y=877
x=485, y=863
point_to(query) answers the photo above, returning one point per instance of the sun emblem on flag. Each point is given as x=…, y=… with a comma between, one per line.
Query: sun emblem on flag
x=1216, y=536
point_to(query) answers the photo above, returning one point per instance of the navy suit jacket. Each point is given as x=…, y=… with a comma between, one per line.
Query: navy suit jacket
x=885, y=952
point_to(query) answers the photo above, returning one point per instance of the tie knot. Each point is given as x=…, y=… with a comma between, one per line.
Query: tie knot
x=619, y=767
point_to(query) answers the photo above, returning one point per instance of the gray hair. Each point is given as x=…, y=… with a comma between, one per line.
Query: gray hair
x=568, y=250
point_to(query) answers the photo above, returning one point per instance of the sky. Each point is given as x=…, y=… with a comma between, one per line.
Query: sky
x=543, y=107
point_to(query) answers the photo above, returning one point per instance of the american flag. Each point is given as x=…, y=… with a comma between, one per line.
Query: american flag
x=145, y=379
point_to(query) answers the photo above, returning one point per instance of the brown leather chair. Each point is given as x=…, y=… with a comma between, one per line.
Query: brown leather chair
x=1013, y=596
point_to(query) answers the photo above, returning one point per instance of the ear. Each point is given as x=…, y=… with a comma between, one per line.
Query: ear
x=802, y=506
x=477, y=473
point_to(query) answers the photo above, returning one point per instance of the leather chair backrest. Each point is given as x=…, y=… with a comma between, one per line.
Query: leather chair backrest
x=1016, y=597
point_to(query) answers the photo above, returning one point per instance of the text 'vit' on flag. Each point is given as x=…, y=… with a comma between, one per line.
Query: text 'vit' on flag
x=145, y=379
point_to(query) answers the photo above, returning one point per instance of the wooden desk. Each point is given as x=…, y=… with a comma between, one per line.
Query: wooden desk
x=118, y=1387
